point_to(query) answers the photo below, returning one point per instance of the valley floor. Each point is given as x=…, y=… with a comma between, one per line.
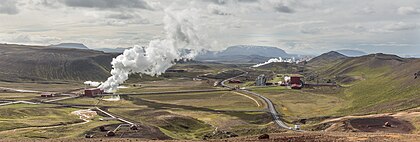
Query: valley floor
x=325, y=113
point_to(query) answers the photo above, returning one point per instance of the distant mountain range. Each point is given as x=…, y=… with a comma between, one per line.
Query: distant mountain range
x=111, y=50
x=244, y=54
x=232, y=54
x=82, y=46
x=70, y=45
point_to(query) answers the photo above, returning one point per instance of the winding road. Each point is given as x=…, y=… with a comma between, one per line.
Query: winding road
x=270, y=106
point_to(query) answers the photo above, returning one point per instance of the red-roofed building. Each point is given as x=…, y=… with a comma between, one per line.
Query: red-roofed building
x=92, y=92
x=296, y=82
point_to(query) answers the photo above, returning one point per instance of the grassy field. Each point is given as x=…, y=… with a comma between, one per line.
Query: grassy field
x=211, y=100
x=18, y=96
x=192, y=115
x=299, y=104
x=189, y=115
x=70, y=131
x=175, y=126
x=180, y=116
x=21, y=116
x=98, y=102
x=167, y=85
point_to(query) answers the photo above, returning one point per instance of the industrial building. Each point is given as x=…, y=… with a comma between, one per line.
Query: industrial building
x=92, y=92
x=294, y=81
x=261, y=80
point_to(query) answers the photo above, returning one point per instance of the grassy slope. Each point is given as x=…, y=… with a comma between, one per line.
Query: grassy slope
x=381, y=87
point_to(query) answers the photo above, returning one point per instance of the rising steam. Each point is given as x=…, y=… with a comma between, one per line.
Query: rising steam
x=277, y=60
x=181, y=42
x=92, y=83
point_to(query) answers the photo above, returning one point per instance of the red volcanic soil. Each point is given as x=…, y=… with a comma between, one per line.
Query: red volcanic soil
x=377, y=124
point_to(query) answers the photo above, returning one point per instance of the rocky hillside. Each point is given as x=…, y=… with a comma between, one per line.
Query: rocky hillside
x=37, y=63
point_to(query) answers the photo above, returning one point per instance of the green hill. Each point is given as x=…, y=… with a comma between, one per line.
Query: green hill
x=38, y=63
x=376, y=82
x=326, y=59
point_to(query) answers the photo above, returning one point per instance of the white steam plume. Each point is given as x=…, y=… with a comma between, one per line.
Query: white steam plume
x=181, y=36
x=277, y=60
x=92, y=83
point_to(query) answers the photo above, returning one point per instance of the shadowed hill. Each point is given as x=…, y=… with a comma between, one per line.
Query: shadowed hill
x=37, y=63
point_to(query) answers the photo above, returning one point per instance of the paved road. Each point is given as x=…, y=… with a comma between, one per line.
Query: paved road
x=271, y=109
x=270, y=106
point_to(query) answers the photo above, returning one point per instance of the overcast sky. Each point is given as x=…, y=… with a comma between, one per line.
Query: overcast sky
x=297, y=26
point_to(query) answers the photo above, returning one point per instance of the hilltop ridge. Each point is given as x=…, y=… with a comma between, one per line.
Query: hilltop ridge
x=42, y=63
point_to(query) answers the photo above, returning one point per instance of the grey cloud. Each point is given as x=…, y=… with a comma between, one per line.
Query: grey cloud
x=248, y=0
x=118, y=19
x=104, y=4
x=122, y=16
x=8, y=7
x=216, y=1
x=366, y=10
x=315, y=29
x=400, y=26
x=408, y=10
x=311, y=30
x=283, y=8
x=47, y=3
x=27, y=38
x=226, y=1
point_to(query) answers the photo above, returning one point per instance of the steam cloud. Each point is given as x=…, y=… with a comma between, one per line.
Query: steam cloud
x=181, y=42
x=92, y=83
x=276, y=60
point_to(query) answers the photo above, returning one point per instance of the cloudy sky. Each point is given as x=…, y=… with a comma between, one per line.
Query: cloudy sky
x=297, y=26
